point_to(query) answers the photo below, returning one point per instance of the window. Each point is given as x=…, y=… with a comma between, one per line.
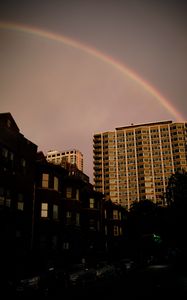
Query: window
x=5, y=152
x=116, y=230
x=54, y=241
x=20, y=204
x=2, y=197
x=68, y=192
x=106, y=230
x=68, y=217
x=55, y=212
x=66, y=245
x=55, y=183
x=23, y=162
x=92, y=202
x=77, y=194
x=45, y=180
x=8, y=199
x=115, y=214
x=92, y=224
x=11, y=156
x=44, y=210
x=77, y=219
x=68, y=214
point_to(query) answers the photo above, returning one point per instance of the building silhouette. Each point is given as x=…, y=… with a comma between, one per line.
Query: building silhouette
x=17, y=173
x=48, y=213
x=133, y=163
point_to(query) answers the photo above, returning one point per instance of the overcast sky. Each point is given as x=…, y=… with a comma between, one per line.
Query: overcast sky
x=60, y=95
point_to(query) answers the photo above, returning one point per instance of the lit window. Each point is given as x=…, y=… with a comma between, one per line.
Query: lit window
x=45, y=180
x=44, y=210
x=20, y=206
x=92, y=202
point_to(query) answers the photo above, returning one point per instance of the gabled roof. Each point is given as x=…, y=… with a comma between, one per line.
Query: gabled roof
x=6, y=120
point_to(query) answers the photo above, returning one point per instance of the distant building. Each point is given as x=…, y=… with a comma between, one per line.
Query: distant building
x=73, y=157
x=133, y=163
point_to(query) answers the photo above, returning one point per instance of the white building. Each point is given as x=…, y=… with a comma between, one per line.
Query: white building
x=134, y=163
x=73, y=157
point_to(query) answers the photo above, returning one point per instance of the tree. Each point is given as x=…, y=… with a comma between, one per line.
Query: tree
x=176, y=197
x=144, y=230
x=176, y=194
x=142, y=215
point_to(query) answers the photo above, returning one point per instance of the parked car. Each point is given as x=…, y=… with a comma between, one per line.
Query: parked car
x=27, y=286
x=105, y=270
x=53, y=280
x=80, y=276
x=128, y=263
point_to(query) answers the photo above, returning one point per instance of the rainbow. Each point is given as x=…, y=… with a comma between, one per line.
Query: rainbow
x=99, y=55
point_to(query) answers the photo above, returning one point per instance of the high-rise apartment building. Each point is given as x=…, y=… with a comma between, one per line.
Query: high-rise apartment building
x=73, y=157
x=133, y=163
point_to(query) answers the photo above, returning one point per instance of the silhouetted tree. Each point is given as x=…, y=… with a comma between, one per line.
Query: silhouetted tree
x=176, y=197
x=142, y=214
x=143, y=227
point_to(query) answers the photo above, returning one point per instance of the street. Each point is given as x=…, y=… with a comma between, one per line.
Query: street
x=148, y=282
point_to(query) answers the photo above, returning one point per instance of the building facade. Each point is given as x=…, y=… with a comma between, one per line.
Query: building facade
x=114, y=228
x=68, y=215
x=63, y=158
x=133, y=163
x=17, y=173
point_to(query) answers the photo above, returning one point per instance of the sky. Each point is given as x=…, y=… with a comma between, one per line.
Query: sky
x=73, y=68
